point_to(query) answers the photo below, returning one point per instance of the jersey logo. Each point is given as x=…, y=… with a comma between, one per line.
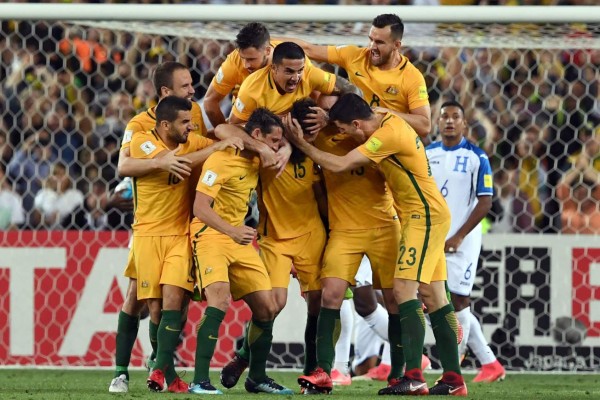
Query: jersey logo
x=461, y=161
x=127, y=136
x=220, y=75
x=209, y=178
x=392, y=90
x=487, y=180
x=242, y=177
x=239, y=105
x=373, y=145
x=423, y=93
x=148, y=147
x=358, y=74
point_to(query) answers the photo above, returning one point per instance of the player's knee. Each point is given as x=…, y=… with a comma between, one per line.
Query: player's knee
x=460, y=302
x=365, y=302
x=266, y=312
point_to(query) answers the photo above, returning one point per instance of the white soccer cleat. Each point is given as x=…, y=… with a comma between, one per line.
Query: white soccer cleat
x=120, y=384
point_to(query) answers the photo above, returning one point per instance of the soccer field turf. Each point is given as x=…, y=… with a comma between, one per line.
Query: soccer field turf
x=17, y=384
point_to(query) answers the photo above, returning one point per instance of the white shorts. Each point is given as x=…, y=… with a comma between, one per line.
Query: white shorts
x=366, y=342
x=364, y=275
x=461, y=271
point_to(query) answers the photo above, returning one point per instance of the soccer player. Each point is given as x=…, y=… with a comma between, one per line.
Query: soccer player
x=228, y=265
x=362, y=221
x=161, y=250
x=463, y=174
x=393, y=145
x=286, y=80
x=386, y=78
x=170, y=79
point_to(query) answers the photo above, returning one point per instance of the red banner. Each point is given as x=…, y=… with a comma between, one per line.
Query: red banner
x=60, y=295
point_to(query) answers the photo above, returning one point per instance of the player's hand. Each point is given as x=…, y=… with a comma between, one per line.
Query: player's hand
x=268, y=158
x=283, y=156
x=380, y=110
x=234, y=142
x=452, y=244
x=117, y=201
x=318, y=120
x=243, y=234
x=179, y=166
x=293, y=130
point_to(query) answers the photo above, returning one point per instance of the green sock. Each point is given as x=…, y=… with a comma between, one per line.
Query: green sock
x=153, y=333
x=310, y=344
x=206, y=341
x=396, y=350
x=168, y=336
x=445, y=329
x=127, y=329
x=328, y=332
x=260, y=337
x=448, y=295
x=244, y=351
x=412, y=323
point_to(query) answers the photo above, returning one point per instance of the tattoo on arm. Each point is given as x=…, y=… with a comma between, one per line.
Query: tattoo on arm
x=343, y=86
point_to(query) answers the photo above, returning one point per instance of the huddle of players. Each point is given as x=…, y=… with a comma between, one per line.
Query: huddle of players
x=382, y=202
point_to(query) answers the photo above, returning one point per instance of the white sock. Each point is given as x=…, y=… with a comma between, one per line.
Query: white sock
x=378, y=321
x=385, y=355
x=478, y=344
x=342, y=347
x=464, y=318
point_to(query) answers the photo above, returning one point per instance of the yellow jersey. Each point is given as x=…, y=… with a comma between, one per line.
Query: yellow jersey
x=400, y=89
x=146, y=121
x=229, y=179
x=287, y=205
x=259, y=90
x=356, y=199
x=161, y=200
x=400, y=154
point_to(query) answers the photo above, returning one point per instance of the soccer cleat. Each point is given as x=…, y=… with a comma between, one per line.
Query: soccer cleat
x=178, y=386
x=492, y=372
x=317, y=380
x=442, y=388
x=120, y=384
x=267, y=386
x=425, y=362
x=204, y=387
x=230, y=374
x=405, y=387
x=156, y=381
x=339, y=378
x=380, y=372
x=308, y=392
x=149, y=364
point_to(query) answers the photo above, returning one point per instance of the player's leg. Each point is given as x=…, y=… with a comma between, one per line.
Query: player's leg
x=365, y=300
x=491, y=369
x=340, y=374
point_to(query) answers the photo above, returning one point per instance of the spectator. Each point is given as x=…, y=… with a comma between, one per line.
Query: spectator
x=518, y=213
x=12, y=215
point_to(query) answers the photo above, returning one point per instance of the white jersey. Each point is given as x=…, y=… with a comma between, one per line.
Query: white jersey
x=462, y=173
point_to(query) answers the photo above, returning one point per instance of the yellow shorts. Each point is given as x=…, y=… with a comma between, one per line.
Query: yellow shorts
x=162, y=260
x=220, y=259
x=305, y=252
x=130, y=271
x=345, y=250
x=421, y=255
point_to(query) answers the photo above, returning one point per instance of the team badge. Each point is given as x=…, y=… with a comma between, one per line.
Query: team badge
x=148, y=147
x=392, y=90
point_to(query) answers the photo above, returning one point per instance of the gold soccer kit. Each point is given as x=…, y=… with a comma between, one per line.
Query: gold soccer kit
x=424, y=215
x=229, y=179
x=259, y=90
x=400, y=89
x=362, y=219
x=144, y=122
x=290, y=227
x=161, y=249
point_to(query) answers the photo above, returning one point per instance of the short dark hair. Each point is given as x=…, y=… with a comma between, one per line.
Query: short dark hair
x=288, y=50
x=169, y=107
x=254, y=35
x=393, y=21
x=453, y=103
x=349, y=107
x=264, y=120
x=300, y=109
x=163, y=74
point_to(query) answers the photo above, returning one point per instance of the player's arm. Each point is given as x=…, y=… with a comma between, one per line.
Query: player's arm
x=419, y=118
x=204, y=211
x=353, y=159
x=179, y=166
x=343, y=86
x=199, y=156
x=313, y=51
x=267, y=156
x=483, y=207
x=212, y=106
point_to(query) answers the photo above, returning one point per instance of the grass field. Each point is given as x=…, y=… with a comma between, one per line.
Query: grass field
x=18, y=384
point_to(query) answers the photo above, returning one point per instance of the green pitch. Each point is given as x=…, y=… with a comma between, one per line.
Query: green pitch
x=76, y=385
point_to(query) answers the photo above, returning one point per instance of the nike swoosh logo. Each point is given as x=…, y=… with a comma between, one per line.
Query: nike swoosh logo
x=242, y=177
x=358, y=74
x=212, y=337
x=168, y=328
x=414, y=388
x=402, y=269
x=334, y=140
x=454, y=390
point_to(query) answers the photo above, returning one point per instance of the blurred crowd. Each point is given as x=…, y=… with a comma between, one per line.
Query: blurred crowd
x=67, y=92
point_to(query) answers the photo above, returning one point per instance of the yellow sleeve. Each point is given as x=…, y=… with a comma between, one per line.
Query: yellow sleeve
x=245, y=104
x=228, y=75
x=320, y=80
x=214, y=175
x=417, y=89
x=382, y=144
x=145, y=145
x=132, y=127
x=341, y=55
x=197, y=142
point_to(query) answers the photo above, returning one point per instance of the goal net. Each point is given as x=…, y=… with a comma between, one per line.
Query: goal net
x=530, y=90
